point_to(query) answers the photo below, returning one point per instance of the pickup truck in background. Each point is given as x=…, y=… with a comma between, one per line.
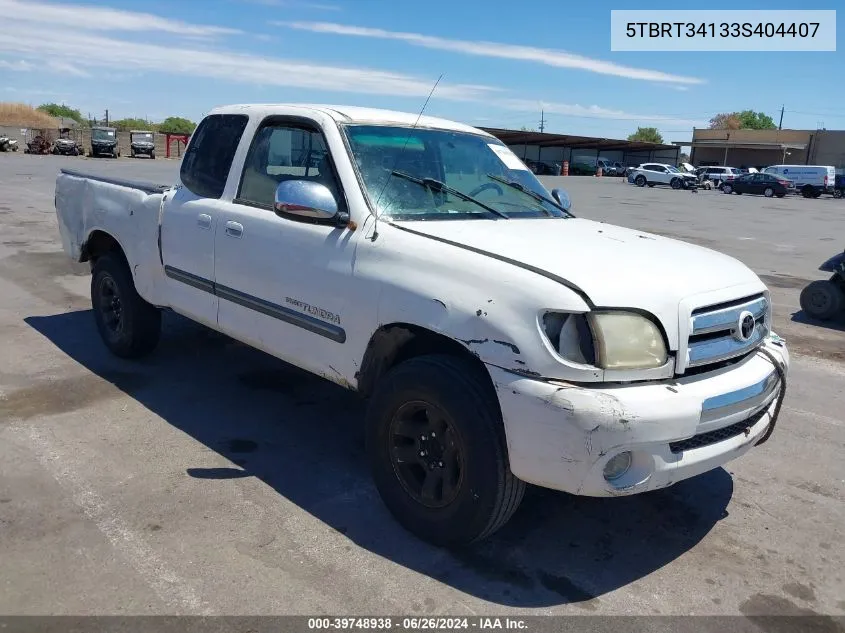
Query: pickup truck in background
x=498, y=338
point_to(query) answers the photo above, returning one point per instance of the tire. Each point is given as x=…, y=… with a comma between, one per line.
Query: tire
x=676, y=183
x=486, y=493
x=651, y=184
x=768, y=192
x=822, y=300
x=640, y=181
x=137, y=329
x=727, y=189
x=807, y=192
x=837, y=193
x=780, y=195
x=132, y=155
x=152, y=156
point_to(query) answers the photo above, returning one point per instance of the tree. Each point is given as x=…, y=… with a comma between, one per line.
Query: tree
x=56, y=110
x=177, y=125
x=125, y=125
x=684, y=157
x=756, y=120
x=527, y=129
x=745, y=120
x=725, y=121
x=647, y=134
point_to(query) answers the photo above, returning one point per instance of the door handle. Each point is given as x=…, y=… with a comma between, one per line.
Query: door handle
x=235, y=229
x=204, y=221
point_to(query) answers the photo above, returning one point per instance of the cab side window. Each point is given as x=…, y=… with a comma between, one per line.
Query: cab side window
x=206, y=164
x=285, y=152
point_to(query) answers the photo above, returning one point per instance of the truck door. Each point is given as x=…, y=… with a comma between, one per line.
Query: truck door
x=284, y=281
x=191, y=216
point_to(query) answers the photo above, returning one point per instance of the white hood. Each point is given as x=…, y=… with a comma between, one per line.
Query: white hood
x=614, y=266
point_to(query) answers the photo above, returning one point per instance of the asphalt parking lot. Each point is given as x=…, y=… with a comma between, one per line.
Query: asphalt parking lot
x=212, y=479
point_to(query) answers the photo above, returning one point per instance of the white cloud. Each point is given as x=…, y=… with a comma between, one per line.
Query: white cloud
x=95, y=52
x=17, y=66
x=296, y=4
x=92, y=18
x=548, y=57
x=588, y=112
x=81, y=51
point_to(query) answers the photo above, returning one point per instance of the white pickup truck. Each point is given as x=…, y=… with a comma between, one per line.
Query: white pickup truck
x=498, y=339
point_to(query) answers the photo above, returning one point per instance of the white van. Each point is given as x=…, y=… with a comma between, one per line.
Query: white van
x=811, y=180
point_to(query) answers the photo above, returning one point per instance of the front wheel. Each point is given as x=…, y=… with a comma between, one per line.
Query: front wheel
x=727, y=189
x=640, y=181
x=437, y=450
x=129, y=326
x=676, y=183
x=822, y=299
x=837, y=193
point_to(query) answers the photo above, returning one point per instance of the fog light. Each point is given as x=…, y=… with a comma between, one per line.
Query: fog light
x=617, y=466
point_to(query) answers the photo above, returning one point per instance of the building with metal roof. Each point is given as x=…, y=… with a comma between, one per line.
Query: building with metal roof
x=548, y=148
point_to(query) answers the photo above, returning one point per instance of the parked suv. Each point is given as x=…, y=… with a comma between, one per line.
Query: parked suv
x=661, y=174
x=719, y=175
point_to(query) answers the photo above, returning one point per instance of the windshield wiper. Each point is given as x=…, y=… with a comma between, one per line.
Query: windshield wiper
x=437, y=185
x=520, y=187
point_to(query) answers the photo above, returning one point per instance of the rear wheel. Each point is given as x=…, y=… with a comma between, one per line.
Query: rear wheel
x=822, y=299
x=640, y=181
x=129, y=326
x=437, y=450
x=768, y=192
x=837, y=193
x=726, y=188
x=807, y=192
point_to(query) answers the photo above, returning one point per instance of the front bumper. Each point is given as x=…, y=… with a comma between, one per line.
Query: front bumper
x=561, y=435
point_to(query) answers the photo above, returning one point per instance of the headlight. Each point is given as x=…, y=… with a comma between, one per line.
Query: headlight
x=610, y=340
x=625, y=340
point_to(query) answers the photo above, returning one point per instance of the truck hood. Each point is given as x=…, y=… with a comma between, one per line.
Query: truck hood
x=614, y=266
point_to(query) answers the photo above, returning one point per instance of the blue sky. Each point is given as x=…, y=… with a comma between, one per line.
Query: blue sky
x=501, y=62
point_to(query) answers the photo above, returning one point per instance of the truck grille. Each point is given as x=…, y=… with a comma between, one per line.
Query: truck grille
x=719, y=435
x=725, y=331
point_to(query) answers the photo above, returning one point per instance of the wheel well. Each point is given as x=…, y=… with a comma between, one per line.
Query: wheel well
x=398, y=342
x=99, y=243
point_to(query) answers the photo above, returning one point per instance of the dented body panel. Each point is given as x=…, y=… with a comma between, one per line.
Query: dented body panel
x=340, y=301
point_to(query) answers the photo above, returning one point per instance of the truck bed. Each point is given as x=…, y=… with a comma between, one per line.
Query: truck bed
x=125, y=210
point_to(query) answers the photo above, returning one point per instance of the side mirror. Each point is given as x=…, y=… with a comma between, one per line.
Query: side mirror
x=307, y=199
x=562, y=198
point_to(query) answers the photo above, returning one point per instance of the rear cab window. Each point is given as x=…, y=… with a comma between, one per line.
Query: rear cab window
x=206, y=164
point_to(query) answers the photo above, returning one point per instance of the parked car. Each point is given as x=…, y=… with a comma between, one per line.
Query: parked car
x=142, y=142
x=652, y=174
x=104, y=142
x=543, y=168
x=824, y=299
x=811, y=180
x=563, y=352
x=719, y=175
x=763, y=184
x=839, y=186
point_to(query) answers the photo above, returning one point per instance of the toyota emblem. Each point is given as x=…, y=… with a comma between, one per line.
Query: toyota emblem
x=744, y=326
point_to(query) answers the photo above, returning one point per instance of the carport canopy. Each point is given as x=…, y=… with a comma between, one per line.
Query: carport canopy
x=544, y=139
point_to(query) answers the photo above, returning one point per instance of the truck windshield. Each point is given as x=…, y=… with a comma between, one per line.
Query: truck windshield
x=475, y=166
x=102, y=135
x=143, y=138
